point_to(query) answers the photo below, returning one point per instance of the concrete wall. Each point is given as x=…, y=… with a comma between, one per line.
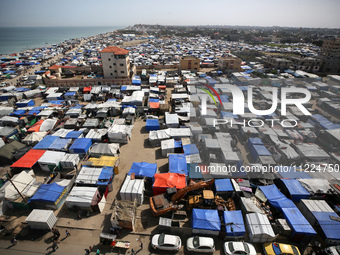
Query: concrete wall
x=85, y=82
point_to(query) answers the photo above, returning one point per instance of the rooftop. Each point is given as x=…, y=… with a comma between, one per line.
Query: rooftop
x=115, y=50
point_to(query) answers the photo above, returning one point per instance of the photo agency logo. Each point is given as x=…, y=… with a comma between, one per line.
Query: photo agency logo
x=238, y=104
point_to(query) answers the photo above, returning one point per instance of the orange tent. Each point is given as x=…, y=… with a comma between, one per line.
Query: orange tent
x=29, y=159
x=154, y=105
x=168, y=180
x=36, y=126
x=162, y=87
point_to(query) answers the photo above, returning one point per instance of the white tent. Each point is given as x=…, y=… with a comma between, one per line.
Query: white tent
x=259, y=228
x=119, y=133
x=108, y=149
x=34, y=137
x=167, y=146
x=50, y=160
x=47, y=125
x=171, y=120
x=83, y=197
x=69, y=161
x=23, y=181
x=132, y=189
x=41, y=219
x=96, y=134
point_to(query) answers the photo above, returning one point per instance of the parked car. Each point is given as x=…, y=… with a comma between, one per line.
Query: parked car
x=3, y=84
x=166, y=242
x=24, y=78
x=240, y=248
x=201, y=244
x=280, y=248
x=29, y=82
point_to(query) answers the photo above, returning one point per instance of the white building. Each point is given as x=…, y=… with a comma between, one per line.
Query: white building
x=115, y=62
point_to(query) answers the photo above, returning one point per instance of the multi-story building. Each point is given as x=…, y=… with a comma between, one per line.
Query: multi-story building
x=190, y=63
x=115, y=62
x=229, y=64
x=306, y=64
x=277, y=63
x=331, y=48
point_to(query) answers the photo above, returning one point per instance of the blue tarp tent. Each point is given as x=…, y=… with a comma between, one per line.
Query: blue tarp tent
x=143, y=169
x=25, y=103
x=70, y=93
x=45, y=143
x=291, y=213
x=223, y=185
x=33, y=112
x=18, y=112
x=190, y=149
x=74, y=134
x=194, y=171
x=254, y=141
x=60, y=144
x=295, y=189
x=178, y=164
x=152, y=124
x=48, y=193
x=81, y=146
x=330, y=228
x=259, y=150
x=205, y=219
x=234, y=224
x=323, y=122
x=106, y=176
x=153, y=100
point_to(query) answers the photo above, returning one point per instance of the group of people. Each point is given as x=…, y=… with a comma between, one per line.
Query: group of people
x=56, y=235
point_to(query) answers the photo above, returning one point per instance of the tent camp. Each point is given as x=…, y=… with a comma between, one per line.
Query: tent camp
x=143, y=169
x=34, y=138
x=95, y=176
x=50, y=160
x=29, y=159
x=80, y=146
x=293, y=189
x=45, y=143
x=84, y=198
x=69, y=161
x=168, y=180
x=259, y=228
x=119, y=133
x=132, y=189
x=205, y=222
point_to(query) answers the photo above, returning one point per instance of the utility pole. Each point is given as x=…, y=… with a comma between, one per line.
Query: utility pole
x=16, y=188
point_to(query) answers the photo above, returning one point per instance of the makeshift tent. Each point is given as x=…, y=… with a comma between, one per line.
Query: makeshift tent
x=75, y=134
x=132, y=189
x=119, y=133
x=234, y=224
x=22, y=181
x=259, y=228
x=167, y=147
x=47, y=125
x=178, y=164
x=190, y=149
x=205, y=222
x=171, y=120
x=105, y=161
x=84, y=198
x=108, y=149
x=168, y=180
x=223, y=187
x=34, y=138
x=36, y=126
x=80, y=146
x=8, y=150
x=143, y=169
x=96, y=134
x=291, y=172
x=48, y=196
x=45, y=143
x=152, y=124
x=50, y=160
x=60, y=144
x=69, y=161
x=29, y=159
x=295, y=189
x=25, y=103
x=296, y=220
x=95, y=176
x=41, y=219
x=259, y=150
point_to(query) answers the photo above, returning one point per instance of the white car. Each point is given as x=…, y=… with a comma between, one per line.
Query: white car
x=239, y=248
x=166, y=242
x=201, y=244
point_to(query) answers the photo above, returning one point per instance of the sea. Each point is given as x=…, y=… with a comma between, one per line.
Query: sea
x=18, y=39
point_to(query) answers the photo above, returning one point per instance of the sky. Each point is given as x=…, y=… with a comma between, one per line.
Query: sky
x=287, y=13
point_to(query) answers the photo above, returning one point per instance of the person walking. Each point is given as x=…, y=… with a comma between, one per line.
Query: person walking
x=132, y=251
x=55, y=246
x=67, y=233
x=141, y=245
x=14, y=241
x=97, y=252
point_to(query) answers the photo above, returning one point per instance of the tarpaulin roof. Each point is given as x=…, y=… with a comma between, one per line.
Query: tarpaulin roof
x=276, y=198
x=105, y=175
x=154, y=105
x=143, y=169
x=60, y=144
x=178, y=164
x=324, y=123
x=18, y=112
x=205, y=219
x=295, y=189
x=45, y=143
x=169, y=180
x=74, y=134
x=29, y=159
x=36, y=126
x=259, y=150
x=190, y=149
x=48, y=193
x=81, y=145
x=222, y=185
x=194, y=171
x=291, y=172
x=152, y=124
x=234, y=223
x=330, y=228
x=254, y=141
x=87, y=89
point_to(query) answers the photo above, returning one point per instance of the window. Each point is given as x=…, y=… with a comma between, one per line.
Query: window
x=122, y=72
x=295, y=250
x=114, y=64
x=109, y=59
x=111, y=73
x=115, y=71
x=110, y=66
x=121, y=64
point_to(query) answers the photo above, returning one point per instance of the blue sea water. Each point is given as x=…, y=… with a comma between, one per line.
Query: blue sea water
x=18, y=39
